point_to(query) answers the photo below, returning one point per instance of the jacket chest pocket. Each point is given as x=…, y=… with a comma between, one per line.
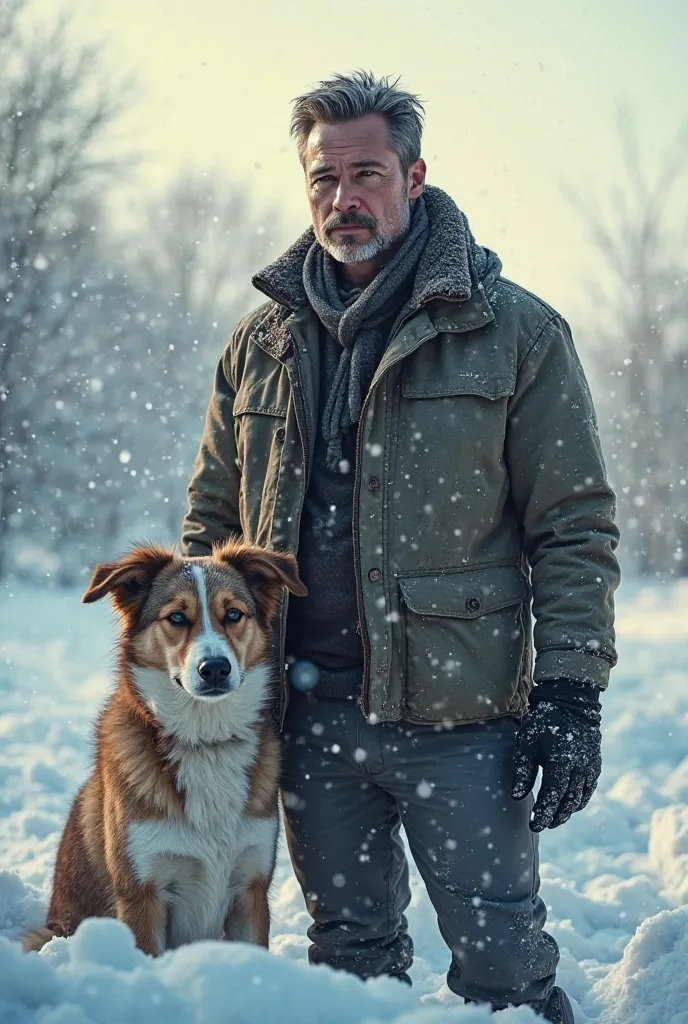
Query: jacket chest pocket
x=466, y=643
x=454, y=410
x=450, y=475
x=260, y=433
x=477, y=363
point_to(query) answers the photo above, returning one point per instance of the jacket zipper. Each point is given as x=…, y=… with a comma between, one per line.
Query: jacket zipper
x=305, y=441
x=302, y=422
x=365, y=638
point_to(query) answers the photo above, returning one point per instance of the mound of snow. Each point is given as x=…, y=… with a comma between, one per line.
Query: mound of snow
x=20, y=906
x=48, y=776
x=669, y=850
x=98, y=977
x=676, y=786
x=650, y=984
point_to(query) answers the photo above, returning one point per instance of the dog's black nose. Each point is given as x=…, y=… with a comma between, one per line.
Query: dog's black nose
x=215, y=674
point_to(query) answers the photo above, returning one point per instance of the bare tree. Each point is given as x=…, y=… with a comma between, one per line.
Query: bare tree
x=55, y=109
x=107, y=345
x=203, y=238
x=641, y=331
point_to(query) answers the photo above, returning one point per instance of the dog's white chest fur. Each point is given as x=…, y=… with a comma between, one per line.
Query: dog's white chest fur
x=207, y=856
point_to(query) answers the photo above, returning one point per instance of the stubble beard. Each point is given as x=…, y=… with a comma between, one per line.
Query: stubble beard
x=352, y=251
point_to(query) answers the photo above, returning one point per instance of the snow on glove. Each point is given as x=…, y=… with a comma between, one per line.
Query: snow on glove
x=560, y=733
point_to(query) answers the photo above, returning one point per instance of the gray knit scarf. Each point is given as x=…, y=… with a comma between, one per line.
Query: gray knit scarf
x=355, y=322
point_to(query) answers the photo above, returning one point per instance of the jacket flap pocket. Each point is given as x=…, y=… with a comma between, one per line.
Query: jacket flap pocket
x=480, y=382
x=260, y=398
x=468, y=364
x=465, y=595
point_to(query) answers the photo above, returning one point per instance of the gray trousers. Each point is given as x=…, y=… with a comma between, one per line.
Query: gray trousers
x=348, y=786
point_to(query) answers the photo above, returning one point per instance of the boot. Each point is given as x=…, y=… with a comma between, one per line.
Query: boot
x=556, y=1008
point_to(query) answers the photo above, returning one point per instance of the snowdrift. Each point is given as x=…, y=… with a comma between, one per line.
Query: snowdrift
x=100, y=978
x=615, y=878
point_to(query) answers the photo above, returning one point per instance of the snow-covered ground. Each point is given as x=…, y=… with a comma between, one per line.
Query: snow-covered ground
x=615, y=878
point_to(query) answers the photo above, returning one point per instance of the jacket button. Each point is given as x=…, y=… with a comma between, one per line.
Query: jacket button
x=280, y=434
x=374, y=484
x=473, y=604
x=374, y=575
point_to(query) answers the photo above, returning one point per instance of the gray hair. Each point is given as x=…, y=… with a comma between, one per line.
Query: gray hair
x=347, y=97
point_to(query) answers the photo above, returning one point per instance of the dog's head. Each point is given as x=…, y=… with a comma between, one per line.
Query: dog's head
x=196, y=630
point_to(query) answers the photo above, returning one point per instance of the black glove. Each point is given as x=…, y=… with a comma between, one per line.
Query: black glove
x=559, y=732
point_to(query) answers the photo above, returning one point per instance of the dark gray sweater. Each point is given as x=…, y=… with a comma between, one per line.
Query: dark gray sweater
x=323, y=627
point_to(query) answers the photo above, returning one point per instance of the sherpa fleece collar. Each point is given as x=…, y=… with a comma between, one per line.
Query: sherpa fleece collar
x=451, y=267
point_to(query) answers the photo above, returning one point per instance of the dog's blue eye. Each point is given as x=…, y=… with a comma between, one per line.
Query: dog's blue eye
x=178, y=619
x=233, y=615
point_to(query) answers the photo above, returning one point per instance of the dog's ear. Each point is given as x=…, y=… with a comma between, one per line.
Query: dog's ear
x=267, y=573
x=128, y=579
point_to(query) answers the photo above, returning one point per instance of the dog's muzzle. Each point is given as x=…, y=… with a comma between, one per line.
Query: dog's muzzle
x=214, y=678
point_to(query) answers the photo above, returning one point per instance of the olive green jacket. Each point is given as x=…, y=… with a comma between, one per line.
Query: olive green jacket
x=480, y=488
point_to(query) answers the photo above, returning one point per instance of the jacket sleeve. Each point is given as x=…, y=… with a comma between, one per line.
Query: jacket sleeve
x=566, y=508
x=213, y=493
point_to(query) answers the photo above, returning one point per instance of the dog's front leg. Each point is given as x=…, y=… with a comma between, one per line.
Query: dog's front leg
x=141, y=908
x=248, y=919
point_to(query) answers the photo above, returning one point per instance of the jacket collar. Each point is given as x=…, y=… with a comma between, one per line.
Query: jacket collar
x=456, y=317
x=454, y=274
x=448, y=268
x=272, y=333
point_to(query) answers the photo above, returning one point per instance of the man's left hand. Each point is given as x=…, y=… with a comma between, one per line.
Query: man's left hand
x=560, y=733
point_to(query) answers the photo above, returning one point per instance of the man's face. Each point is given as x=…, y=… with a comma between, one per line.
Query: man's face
x=358, y=194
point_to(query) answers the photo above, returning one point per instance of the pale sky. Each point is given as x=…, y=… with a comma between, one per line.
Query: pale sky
x=520, y=95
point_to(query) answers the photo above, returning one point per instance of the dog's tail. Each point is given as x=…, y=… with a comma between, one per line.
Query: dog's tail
x=37, y=938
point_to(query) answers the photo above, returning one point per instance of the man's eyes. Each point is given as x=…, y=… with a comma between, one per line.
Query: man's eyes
x=325, y=179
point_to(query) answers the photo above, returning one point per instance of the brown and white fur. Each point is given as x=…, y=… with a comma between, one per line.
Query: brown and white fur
x=175, y=831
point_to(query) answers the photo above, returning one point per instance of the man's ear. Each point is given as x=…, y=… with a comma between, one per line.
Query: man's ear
x=266, y=572
x=416, y=179
x=128, y=579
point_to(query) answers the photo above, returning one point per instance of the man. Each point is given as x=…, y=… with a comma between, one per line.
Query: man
x=420, y=431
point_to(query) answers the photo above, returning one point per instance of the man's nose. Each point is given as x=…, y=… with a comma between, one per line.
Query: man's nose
x=345, y=199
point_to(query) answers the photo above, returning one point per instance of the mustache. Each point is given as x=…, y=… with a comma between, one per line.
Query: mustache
x=345, y=220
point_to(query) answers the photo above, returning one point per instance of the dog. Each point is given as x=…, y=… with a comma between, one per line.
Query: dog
x=175, y=831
